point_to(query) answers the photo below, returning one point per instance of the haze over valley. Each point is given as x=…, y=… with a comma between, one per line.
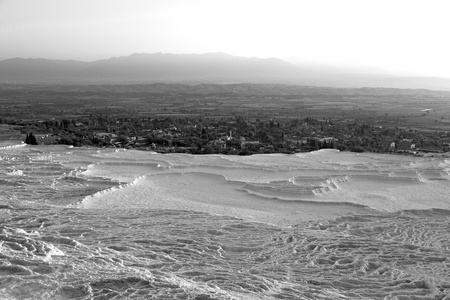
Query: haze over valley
x=200, y=68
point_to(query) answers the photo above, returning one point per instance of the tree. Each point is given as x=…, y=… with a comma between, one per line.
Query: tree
x=30, y=139
x=122, y=139
x=208, y=150
x=233, y=143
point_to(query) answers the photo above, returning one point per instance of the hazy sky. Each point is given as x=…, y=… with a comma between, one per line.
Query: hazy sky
x=408, y=36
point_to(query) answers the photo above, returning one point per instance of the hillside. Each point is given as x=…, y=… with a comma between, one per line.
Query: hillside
x=157, y=67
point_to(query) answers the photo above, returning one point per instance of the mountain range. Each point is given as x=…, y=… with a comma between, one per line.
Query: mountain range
x=197, y=68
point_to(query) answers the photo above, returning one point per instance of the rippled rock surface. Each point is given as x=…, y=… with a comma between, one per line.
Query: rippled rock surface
x=167, y=254
x=89, y=224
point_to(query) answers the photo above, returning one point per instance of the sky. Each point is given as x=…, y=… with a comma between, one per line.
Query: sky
x=404, y=37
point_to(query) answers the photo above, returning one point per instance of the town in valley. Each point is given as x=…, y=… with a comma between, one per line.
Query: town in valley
x=241, y=119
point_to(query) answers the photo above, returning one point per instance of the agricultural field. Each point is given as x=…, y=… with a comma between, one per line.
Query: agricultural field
x=419, y=109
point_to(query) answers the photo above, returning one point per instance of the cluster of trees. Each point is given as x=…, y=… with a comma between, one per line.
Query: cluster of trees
x=30, y=139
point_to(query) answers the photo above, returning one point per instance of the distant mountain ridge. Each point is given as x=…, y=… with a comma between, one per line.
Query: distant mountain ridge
x=194, y=69
x=143, y=67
